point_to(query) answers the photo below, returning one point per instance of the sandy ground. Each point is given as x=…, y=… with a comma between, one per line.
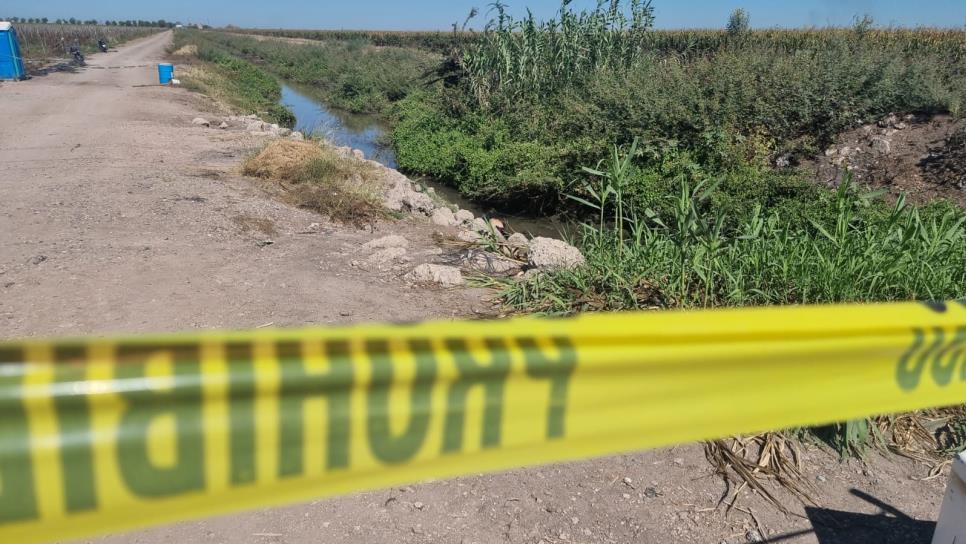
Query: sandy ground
x=118, y=215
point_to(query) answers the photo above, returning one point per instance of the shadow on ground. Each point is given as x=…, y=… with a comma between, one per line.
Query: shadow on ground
x=890, y=526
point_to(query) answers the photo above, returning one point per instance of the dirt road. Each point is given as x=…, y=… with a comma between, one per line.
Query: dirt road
x=118, y=215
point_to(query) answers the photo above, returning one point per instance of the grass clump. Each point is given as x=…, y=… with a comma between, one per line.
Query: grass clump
x=319, y=178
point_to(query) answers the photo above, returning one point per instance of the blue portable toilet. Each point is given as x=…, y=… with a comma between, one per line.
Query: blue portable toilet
x=11, y=62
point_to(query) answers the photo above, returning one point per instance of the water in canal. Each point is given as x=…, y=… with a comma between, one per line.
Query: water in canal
x=368, y=134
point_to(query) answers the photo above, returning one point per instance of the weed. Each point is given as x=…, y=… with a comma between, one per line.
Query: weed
x=318, y=178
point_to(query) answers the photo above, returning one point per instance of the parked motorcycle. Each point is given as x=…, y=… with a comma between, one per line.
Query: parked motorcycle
x=102, y=45
x=77, y=58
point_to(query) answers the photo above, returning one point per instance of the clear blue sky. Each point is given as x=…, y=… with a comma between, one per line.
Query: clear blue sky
x=439, y=14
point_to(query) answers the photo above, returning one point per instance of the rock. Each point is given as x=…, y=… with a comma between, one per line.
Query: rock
x=393, y=240
x=753, y=536
x=518, y=241
x=297, y=136
x=402, y=197
x=418, y=505
x=357, y=153
x=419, y=202
x=900, y=126
x=387, y=257
x=831, y=151
x=628, y=482
x=881, y=146
x=444, y=217
x=200, y=121
x=447, y=276
x=821, y=478
x=223, y=125
x=468, y=236
x=480, y=226
x=547, y=254
x=889, y=121
x=783, y=161
x=37, y=259
x=465, y=217
x=489, y=263
x=255, y=126
x=284, y=132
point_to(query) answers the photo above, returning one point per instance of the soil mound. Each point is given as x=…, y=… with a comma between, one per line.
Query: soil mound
x=921, y=156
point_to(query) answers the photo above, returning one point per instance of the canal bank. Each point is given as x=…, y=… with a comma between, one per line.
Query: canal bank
x=369, y=134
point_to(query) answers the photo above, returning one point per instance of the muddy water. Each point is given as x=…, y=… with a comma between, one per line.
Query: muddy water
x=370, y=135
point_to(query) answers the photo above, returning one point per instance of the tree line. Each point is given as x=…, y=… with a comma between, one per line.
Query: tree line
x=161, y=23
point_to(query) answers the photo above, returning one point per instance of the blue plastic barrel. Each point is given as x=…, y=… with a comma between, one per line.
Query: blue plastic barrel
x=165, y=73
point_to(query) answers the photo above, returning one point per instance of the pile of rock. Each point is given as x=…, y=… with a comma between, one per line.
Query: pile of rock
x=490, y=251
x=877, y=140
x=253, y=125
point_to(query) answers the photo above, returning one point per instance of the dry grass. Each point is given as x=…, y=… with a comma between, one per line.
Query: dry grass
x=767, y=462
x=283, y=160
x=319, y=178
x=750, y=462
x=188, y=51
x=202, y=78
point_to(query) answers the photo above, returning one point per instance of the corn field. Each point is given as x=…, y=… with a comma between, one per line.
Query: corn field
x=44, y=42
x=436, y=41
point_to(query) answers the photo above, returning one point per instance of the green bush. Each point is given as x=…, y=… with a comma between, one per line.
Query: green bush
x=729, y=103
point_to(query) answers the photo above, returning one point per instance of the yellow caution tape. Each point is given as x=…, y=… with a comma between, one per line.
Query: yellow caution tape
x=101, y=435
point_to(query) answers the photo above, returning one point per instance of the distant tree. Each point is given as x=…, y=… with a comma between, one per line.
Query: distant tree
x=739, y=22
x=43, y=20
x=862, y=25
